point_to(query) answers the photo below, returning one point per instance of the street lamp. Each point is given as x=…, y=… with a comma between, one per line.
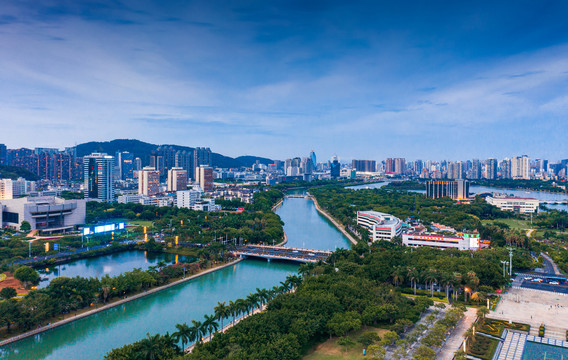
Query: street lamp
x=504, y=262
x=465, y=291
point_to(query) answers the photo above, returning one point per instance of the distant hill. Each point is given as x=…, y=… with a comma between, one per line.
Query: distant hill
x=15, y=172
x=143, y=150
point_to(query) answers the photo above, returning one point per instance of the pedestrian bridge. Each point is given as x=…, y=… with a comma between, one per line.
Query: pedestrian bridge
x=302, y=196
x=281, y=253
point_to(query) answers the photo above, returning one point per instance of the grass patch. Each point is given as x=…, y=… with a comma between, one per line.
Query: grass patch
x=483, y=347
x=141, y=223
x=331, y=350
x=512, y=223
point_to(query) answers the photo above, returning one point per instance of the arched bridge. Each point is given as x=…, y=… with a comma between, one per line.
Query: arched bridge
x=281, y=253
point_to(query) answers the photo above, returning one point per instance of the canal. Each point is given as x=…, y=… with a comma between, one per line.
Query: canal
x=92, y=337
x=111, y=264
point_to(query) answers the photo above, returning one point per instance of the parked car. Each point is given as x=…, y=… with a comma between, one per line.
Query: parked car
x=537, y=280
x=554, y=283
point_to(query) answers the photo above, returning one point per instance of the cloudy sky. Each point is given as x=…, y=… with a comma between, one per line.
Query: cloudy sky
x=360, y=79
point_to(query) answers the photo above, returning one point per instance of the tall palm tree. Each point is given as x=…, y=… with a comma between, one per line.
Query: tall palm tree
x=263, y=295
x=182, y=334
x=468, y=335
x=233, y=310
x=240, y=306
x=253, y=300
x=413, y=277
x=196, y=330
x=149, y=347
x=210, y=324
x=222, y=312
x=456, y=283
x=294, y=280
x=398, y=275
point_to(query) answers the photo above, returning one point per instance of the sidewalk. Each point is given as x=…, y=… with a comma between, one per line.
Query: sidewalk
x=456, y=338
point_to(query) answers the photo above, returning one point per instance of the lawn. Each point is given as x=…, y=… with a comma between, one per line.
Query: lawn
x=513, y=223
x=141, y=223
x=330, y=350
x=495, y=327
x=483, y=347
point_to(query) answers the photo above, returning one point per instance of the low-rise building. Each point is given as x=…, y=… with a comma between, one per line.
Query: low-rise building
x=381, y=226
x=515, y=204
x=461, y=241
x=47, y=214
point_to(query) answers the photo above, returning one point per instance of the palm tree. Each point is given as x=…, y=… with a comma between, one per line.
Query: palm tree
x=431, y=277
x=182, y=334
x=149, y=347
x=196, y=330
x=253, y=300
x=170, y=342
x=398, y=275
x=482, y=312
x=263, y=295
x=413, y=277
x=233, y=310
x=285, y=286
x=456, y=283
x=468, y=335
x=222, y=312
x=240, y=306
x=446, y=280
x=294, y=280
x=210, y=324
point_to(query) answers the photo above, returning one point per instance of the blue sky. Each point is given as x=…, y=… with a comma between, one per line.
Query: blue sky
x=360, y=79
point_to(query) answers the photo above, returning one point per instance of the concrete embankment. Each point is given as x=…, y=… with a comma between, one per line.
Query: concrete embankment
x=116, y=303
x=336, y=223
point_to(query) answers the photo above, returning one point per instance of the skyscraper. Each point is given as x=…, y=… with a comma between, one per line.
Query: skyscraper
x=177, y=179
x=506, y=168
x=395, y=166
x=475, y=172
x=98, y=172
x=335, y=167
x=201, y=156
x=124, y=165
x=364, y=165
x=148, y=181
x=314, y=159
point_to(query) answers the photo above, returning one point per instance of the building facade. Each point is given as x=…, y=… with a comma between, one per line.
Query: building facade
x=98, y=170
x=177, y=179
x=381, y=226
x=455, y=189
x=461, y=241
x=515, y=204
x=204, y=177
x=148, y=181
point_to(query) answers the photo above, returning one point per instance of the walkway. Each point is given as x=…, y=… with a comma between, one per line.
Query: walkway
x=456, y=339
x=513, y=346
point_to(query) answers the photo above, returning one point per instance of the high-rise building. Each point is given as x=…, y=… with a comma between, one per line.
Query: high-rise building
x=335, y=168
x=157, y=162
x=491, y=169
x=98, y=170
x=395, y=166
x=520, y=167
x=475, y=171
x=418, y=166
x=137, y=164
x=314, y=159
x=457, y=189
x=505, y=168
x=184, y=159
x=307, y=166
x=177, y=179
x=364, y=165
x=204, y=177
x=148, y=181
x=201, y=156
x=3, y=155
x=124, y=166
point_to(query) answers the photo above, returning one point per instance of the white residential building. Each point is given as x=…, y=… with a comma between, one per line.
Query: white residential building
x=515, y=204
x=187, y=198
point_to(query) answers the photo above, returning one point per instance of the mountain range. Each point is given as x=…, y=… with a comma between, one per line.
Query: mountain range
x=143, y=150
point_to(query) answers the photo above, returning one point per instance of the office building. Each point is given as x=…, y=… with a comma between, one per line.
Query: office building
x=457, y=189
x=314, y=159
x=505, y=168
x=47, y=214
x=98, y=170
x=124, y=165
x=514, y=204
x=366, y=166
x=520, y=167
x=148, y=181
x=475, y=171
x=380, y=225
x=201, y=156
x=307, y=166
x=335, y=168
x=177, y=179
x=10, y=189
x=204, y=177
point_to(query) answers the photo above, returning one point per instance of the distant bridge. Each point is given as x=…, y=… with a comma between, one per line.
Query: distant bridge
x=281, y=253
x=559, y=202
x=303, y=196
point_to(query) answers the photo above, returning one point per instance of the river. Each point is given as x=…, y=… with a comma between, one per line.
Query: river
x=92, y=337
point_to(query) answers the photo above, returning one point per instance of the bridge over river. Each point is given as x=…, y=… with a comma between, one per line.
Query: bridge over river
x=282, y=253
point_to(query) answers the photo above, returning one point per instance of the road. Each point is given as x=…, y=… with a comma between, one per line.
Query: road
x=456, y=338
x=549, y=266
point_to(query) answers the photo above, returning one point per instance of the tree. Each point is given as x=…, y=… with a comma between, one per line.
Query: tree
x=7, y=293
x=222, y=312
x=27, y=276
x=149, y=347
x=376, y=352
x=196, y=330
x=481, y=312
x=389, y=338
x=25, y=226
x=183, y=334
x=341, y=323
x=368, y=338
x=346, y=343
x=210, y=324
x=424, y=353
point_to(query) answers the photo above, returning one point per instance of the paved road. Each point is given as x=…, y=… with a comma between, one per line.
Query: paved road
x=549, y=265
x=456, y=338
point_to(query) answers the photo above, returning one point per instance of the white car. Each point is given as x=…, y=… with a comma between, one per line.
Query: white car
x=537, y=280
x=554, y=283
x=528, y=278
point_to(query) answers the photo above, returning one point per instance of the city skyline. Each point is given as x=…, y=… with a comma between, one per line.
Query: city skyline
x=361, y=80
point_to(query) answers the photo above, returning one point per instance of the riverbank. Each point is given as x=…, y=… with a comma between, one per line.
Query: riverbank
x=113, y=304
x=336, y=223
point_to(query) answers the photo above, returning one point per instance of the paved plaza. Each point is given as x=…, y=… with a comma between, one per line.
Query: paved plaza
x=533, y=307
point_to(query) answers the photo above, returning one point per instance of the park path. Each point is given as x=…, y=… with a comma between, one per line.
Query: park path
x=456, y=338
